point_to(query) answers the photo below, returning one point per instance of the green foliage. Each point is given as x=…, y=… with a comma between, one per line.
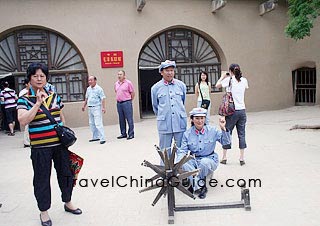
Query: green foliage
x=302, y=14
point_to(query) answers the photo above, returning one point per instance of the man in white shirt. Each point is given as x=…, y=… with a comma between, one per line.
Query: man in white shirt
x=95, y=100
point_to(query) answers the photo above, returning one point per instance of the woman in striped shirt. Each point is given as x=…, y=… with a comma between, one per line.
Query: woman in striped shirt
x=45, y=144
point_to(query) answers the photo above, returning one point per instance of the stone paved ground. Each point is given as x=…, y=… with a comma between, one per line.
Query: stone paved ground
x=287, y=163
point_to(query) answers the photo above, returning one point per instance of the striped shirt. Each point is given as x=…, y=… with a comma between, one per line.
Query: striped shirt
x=41, y=130
x=9, y=96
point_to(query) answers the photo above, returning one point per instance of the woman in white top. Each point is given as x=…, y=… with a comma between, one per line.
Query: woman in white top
x=205, y=86
x=238, y=86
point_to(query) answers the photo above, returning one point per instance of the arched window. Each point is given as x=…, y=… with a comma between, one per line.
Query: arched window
x=191, y=51
x=67, y=68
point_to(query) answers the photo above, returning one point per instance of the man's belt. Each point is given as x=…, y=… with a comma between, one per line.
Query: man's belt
x=201, y=156
x=120, y=102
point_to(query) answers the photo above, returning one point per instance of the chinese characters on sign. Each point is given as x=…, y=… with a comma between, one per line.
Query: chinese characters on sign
x=111, y=59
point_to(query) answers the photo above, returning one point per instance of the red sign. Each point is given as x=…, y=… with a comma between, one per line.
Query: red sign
x=111, y=59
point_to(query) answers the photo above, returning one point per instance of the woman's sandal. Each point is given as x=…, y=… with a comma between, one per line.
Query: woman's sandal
x=223, y=161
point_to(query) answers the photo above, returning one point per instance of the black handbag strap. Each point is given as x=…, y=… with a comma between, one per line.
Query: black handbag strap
x=200, y=91
x=9, y=92
x=48, y=114
x=230, y=86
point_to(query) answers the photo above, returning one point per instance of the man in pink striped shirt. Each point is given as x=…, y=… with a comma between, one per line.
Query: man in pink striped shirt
x=124, y=95
x=9, y=97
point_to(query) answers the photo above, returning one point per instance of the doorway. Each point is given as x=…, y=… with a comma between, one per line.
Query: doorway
x=10, y=79
x=192, y=53
x=147, y=78
x=304, y=86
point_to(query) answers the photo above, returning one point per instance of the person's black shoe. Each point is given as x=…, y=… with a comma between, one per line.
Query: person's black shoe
x=223, y=161
x=242, y=162
x=122, y=136
x=203, y=192
x=130, y=137
x=93, y=140
x=185, y=182
x=102, y=142
x=26, y=145
x=45, y=223
x=197, y=192
x=76, y=211
x=190, y=189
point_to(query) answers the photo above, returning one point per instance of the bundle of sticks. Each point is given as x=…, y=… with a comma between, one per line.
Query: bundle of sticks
x=305, y=127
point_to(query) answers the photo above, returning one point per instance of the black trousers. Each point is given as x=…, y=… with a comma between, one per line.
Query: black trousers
x=42, y=164
x=4, y=124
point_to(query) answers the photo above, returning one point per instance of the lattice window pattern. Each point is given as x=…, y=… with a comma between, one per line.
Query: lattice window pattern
x=191, y=51
x=67, y=69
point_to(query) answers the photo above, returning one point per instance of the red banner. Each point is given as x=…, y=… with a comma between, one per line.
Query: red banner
x=111, y=59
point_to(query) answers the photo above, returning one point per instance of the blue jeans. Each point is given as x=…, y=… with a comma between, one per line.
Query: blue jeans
x=125, y=112
x=238, y=119
x=95, y=122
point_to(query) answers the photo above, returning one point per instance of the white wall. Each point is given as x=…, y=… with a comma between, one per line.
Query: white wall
x=241, y=36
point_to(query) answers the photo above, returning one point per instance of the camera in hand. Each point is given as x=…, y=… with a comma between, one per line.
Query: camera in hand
x=225, y=73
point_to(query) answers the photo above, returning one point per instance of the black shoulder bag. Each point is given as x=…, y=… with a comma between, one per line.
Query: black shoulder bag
x=204, y=103
x=66, y=135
